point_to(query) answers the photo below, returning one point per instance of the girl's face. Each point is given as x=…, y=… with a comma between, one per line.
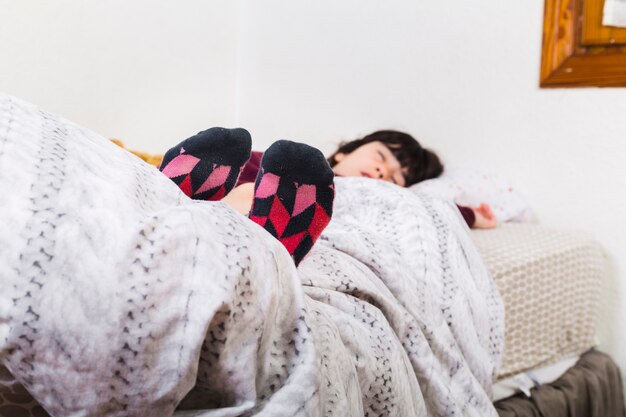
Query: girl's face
x=372, y=160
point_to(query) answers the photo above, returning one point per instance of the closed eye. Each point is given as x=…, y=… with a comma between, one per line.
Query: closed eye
x=382, y=155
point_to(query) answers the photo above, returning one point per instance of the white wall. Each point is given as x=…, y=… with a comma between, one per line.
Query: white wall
x=151, y=72
x=461, y=76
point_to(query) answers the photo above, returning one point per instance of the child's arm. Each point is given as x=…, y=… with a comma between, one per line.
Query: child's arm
x=468, y=215
x=480, y=217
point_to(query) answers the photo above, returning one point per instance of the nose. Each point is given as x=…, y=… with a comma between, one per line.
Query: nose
x=381, y=172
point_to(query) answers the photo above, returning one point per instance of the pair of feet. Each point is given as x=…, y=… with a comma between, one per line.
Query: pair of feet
x=293, y=191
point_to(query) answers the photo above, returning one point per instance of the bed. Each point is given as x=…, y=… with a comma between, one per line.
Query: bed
x=550, y=283
x=121, y=297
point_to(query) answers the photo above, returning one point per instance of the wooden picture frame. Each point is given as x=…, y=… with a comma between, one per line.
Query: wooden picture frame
x=577, y=51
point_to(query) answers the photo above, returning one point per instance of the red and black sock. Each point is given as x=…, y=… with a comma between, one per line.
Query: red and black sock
x=206, y=166
x=293, y=195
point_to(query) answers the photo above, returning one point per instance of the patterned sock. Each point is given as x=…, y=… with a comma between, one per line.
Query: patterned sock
x=206, y=166
x=293, y=195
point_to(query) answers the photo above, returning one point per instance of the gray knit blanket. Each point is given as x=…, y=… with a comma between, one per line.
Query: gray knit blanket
x=119, y=296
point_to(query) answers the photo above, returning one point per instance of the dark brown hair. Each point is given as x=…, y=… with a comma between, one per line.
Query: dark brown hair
x=420, y=163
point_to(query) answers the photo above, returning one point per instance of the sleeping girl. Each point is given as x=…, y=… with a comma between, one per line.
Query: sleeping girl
x=288, y=190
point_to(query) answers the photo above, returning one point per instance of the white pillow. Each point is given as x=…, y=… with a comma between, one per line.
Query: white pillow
x=471, y=187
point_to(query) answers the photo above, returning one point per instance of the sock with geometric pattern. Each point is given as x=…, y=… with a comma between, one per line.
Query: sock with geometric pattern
x=293, y=195
x=206, y=166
